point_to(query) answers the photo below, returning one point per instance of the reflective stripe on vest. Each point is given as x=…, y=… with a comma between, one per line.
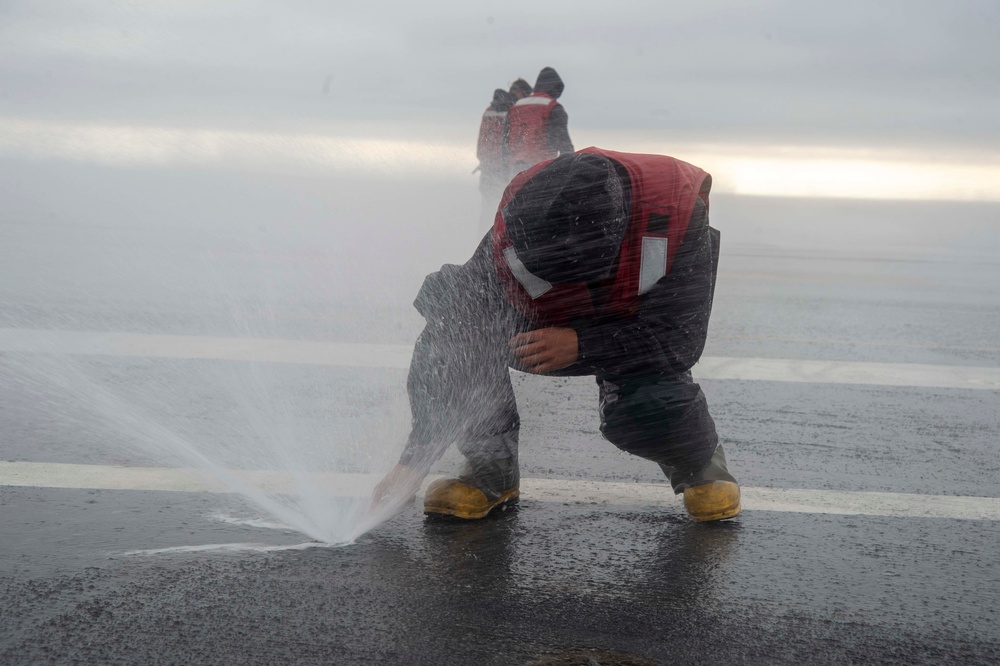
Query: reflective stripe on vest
x=534, y=100
x=652, y=268
x=495, y=114
x=653, y=264
x=534, y=285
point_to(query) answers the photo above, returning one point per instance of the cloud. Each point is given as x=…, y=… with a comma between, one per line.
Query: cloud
x=848, y=73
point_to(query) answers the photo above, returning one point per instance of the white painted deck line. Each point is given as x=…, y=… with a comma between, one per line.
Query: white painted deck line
x=363, y=355
x=900, y=505
x=848, y=372
x=358, y=355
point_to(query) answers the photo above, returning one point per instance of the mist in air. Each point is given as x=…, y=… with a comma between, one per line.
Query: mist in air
x=177, y=172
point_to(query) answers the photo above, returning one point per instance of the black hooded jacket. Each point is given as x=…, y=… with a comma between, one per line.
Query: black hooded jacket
x=557, y=132
x=502, y=100
x=550, y=83
x=566, y=224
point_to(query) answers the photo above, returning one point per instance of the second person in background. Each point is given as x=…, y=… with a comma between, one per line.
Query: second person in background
x=537, y=126
x=494, y=171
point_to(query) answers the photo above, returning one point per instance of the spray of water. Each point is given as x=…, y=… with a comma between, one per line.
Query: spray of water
x=229, y=423
x=231, y=257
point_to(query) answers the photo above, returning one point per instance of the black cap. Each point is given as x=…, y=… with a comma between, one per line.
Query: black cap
x=568, y=221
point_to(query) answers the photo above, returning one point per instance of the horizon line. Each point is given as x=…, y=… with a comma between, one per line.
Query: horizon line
x=787, y=171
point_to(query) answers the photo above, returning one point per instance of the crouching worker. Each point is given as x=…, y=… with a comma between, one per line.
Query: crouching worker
x=599, y=263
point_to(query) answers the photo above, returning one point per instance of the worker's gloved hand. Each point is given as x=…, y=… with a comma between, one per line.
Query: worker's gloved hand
x=396, y=489
x=546, y=349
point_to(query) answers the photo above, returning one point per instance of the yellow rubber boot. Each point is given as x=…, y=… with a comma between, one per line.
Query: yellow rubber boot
x=451, y=497
x=717, y=500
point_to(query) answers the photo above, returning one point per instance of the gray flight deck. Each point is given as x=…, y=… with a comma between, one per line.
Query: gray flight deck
x=128, y=574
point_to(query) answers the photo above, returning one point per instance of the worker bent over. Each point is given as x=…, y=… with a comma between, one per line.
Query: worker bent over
x=599, y=263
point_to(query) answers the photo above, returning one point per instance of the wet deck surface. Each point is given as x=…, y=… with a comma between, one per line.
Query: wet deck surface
x=766, y=588
x=83, y=577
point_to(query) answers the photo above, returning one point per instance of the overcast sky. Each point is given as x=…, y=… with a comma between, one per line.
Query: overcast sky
x=888, y=75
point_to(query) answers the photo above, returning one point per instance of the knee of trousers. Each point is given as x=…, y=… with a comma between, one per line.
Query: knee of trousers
x=664, y=422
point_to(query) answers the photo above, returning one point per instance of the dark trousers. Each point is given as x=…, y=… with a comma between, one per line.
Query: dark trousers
x=460, y=390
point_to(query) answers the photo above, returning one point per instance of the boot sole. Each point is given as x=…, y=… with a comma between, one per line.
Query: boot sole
x=471, y=513
x=720, y=515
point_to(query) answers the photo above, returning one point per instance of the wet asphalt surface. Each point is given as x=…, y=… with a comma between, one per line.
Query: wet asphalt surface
x=541, y=578
x=767, y=588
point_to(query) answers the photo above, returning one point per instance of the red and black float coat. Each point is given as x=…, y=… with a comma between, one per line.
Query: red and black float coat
x=663, y=195
x=527, y=139
x=489, y=149
x=651, y=315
